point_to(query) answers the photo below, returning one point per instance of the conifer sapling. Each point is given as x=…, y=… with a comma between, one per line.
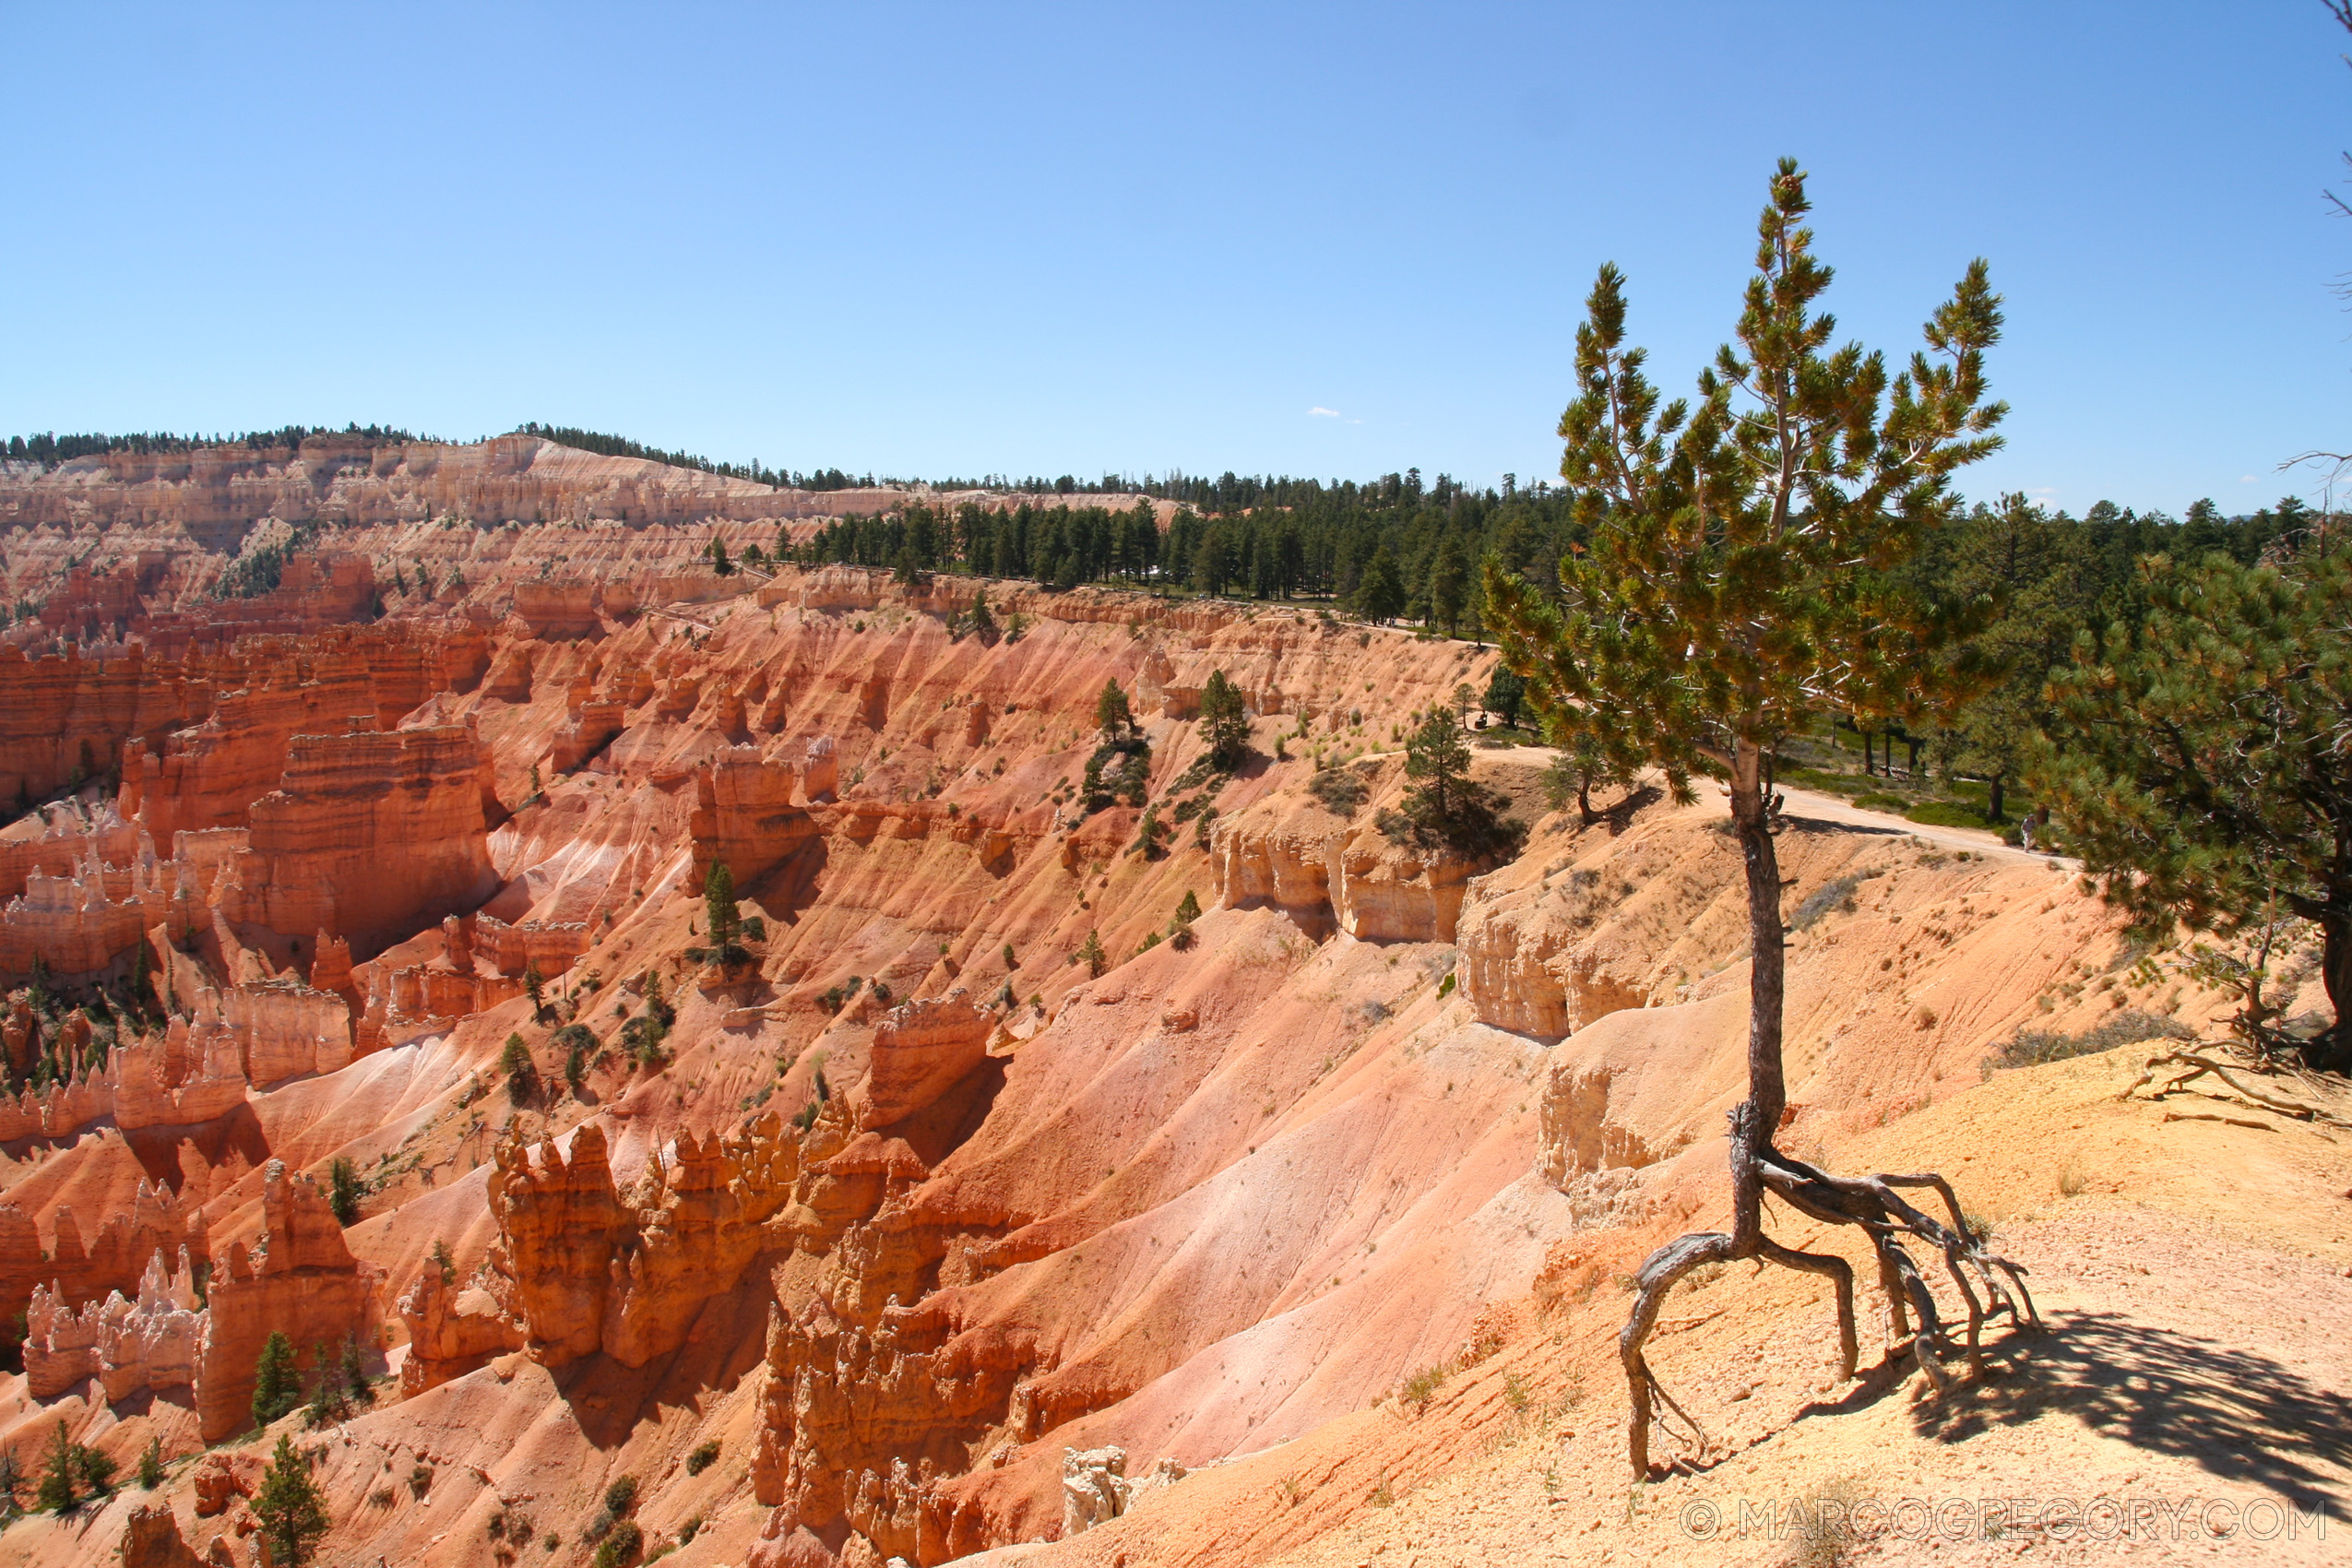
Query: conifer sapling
x=1743, y=575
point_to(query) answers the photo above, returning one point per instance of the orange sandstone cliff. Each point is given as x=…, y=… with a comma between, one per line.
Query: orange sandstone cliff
x=916, y=1237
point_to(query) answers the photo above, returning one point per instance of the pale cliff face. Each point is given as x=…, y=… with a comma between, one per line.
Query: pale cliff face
x=1227, y=1193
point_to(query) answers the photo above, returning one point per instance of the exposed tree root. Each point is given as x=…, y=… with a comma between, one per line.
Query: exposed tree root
x=1987, y=1282
x=2226, y=1120
x=2199, y=1065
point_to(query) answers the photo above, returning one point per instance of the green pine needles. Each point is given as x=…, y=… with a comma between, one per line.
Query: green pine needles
x=1112, y=714
x=2199, y=763
x=344, y=1190
x=1444, y=807
x=290, y=1507
x=1225, y=721
x=718, y=905
x=1741, y=571
x=277, y=1387
x=58, y=1475
x=723, y=914
x=522, y=1072
x=67, y=1467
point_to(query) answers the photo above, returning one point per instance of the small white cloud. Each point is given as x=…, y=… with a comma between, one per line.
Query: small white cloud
x=1320, y=412
x=2245, y=478
x=2044, y=489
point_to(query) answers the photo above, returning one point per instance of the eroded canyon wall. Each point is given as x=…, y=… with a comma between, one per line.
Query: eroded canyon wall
x=990, y=1150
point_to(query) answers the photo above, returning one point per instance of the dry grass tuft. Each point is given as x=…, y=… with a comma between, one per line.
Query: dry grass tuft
x=1822, y=1530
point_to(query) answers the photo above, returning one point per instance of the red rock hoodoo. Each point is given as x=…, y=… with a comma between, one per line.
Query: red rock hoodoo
x=361, y=992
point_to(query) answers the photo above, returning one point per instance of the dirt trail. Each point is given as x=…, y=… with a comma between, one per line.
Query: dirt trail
x=1830, y=808
x=1816, y=805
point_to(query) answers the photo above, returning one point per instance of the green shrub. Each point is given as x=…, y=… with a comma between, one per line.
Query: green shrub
x=522, y=1072
x=58, y=1473
x=96, y=1468
x=1339, y=789
x=1420, y=1388
x=343, y=1191
x=621, y=1545
x=277, y=1388
x=578, y=1044
x=2034, y=1048
x=1828, y=783
x=1835, y=893
x=510, y=1525
x=292, y=1508
x=1948, y=814
x=641, y=1037
x=703, y=1457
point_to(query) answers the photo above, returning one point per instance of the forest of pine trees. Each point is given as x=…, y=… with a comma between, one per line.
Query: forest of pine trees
x=1303, y=539
x=49, y=449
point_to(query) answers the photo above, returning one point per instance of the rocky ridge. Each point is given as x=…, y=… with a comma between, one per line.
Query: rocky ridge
x=916, y=1217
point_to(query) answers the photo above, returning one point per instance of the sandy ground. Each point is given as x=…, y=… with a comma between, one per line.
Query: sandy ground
x=2185, y=1400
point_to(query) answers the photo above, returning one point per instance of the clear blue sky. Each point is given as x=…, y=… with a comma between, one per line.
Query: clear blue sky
x=972, y=237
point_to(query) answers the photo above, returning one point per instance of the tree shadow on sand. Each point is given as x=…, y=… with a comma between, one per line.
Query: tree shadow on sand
x=2237, y=1415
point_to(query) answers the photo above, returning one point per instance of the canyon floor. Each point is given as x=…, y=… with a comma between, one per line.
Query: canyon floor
x=985, y=1204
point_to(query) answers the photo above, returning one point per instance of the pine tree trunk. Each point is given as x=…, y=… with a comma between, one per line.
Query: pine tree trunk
x=1584, y=801
x=2332, y=1052
x=1767, y=1092
x=1992, y=803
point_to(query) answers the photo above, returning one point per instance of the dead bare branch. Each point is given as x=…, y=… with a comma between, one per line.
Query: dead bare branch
x=2200, y=1066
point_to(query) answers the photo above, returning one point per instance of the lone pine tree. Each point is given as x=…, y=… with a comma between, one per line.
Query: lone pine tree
x=1505, y=694
x=1439, y=764
x=290, y=1507
x=58, y=1474
x=1225, y=721
x=1582, y=764
x=1112, y=714
x=328, y=1401
x=343, y=1190
x=277, y=1387
x=1742, y=574
x=720, y=905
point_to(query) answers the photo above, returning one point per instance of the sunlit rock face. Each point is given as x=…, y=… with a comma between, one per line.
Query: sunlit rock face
x=988, y=1193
